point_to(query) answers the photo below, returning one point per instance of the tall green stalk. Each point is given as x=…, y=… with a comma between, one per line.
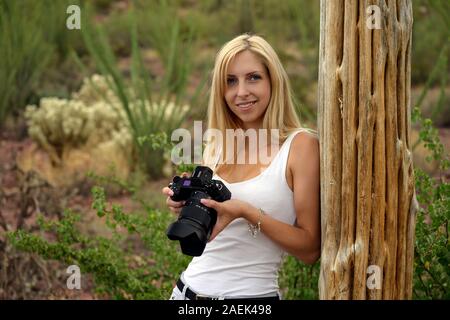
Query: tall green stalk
x=23, y=50
x=147, y=112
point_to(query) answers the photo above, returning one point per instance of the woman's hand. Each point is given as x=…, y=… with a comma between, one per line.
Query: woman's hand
x=227, y=211
x=174, y=206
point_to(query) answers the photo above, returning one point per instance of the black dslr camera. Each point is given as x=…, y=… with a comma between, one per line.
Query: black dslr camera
x=196, y=221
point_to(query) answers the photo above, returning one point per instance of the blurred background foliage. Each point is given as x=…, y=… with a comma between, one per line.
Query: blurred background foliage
x=107, y=97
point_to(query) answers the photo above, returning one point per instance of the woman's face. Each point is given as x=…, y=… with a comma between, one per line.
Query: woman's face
x=248, y=89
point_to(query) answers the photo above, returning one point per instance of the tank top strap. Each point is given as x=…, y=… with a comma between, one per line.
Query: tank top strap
x=282, y=159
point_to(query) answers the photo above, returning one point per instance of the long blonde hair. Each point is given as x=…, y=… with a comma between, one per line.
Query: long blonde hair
x=280, y=113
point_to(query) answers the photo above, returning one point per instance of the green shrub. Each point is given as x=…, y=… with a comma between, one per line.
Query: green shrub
x=117, y=270
x=298, y=280
x=432, y=255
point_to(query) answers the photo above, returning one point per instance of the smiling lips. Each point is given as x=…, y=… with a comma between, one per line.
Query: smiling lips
x=245, y=105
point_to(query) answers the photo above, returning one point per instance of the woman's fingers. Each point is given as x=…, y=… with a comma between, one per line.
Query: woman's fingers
x=175, y=210
x=174, y=204
x=167, y=191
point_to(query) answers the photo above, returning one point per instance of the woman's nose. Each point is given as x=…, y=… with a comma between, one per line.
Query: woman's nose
x=242, y=90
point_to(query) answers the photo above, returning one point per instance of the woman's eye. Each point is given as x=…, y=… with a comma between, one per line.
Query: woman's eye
x=231, y=81
x=254, y=77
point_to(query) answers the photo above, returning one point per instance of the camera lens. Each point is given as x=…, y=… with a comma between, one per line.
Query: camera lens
x=194, y=225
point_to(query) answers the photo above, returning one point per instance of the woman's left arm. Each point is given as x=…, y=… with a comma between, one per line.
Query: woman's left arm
x=303, y=239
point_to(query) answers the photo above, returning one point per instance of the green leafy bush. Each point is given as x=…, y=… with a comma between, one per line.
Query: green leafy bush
x=432, y=255
x=117, y=270
x=298, y=280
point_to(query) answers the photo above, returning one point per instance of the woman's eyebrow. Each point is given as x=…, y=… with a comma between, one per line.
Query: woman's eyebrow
x=232, y=75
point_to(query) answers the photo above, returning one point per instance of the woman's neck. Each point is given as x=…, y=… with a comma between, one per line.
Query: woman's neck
x=259, y=146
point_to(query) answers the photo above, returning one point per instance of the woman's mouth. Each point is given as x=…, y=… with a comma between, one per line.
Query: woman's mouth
x=245, y=105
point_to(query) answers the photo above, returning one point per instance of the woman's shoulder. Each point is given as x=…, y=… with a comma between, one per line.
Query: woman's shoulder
x=305, y=147
x=305, y=138
x=303, y=157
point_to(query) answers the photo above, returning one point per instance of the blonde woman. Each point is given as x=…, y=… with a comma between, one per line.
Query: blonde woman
x=274, y=207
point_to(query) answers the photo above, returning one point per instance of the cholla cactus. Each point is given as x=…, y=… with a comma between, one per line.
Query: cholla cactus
x=58, y=123
x=95, y=89
x=85, y=121
x=94, y=119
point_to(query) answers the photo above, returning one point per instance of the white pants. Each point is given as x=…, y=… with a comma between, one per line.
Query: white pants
x=177, y=294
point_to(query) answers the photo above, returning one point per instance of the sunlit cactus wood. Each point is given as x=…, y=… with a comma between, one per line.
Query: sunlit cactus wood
x=368, y=201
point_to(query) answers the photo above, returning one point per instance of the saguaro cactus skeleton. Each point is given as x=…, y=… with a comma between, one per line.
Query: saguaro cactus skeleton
x=367, y=185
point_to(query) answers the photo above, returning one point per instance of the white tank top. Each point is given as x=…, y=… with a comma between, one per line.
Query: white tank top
x=235, y=263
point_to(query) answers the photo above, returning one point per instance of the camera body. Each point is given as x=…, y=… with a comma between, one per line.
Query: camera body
x=196, y=221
